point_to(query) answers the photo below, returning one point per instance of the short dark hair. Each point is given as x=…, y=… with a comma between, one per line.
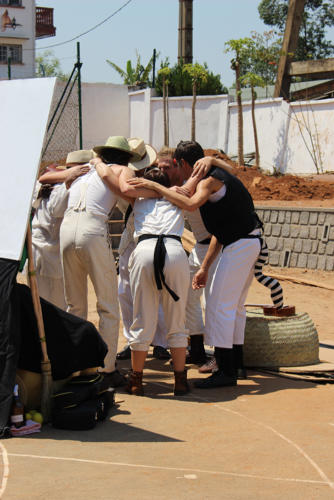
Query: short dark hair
x=157, y=175
x=190, y=151
x=115, y=156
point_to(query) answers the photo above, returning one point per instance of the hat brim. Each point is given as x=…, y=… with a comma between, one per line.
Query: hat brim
x=149, y=158
x=99, y=149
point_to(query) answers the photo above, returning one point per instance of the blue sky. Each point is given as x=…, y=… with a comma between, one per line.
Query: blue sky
x=144, y=25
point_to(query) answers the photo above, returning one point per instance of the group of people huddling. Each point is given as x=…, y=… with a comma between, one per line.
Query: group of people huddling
x=159, y=287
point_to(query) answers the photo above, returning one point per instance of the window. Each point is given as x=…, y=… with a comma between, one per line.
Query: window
x=16, y=3
x=12, y=51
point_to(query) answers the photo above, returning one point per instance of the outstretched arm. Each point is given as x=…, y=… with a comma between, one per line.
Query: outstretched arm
x=63, y=175
x=132, y=190
x=203, y=191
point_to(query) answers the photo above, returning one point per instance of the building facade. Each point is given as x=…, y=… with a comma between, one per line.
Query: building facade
x=21, y=22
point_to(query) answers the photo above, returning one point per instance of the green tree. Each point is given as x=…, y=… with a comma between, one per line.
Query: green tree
x=48, y=65
x=180, y=83
x=164, y=72
x=252, y=80
x=241, y=49
x=318, y=16
x=136, y=74
x=263, y=57
x=198, y=74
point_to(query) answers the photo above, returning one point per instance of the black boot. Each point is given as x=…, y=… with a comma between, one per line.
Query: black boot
x=225, y=375
x=239, y=361
x=124, y=353
x=197, y=354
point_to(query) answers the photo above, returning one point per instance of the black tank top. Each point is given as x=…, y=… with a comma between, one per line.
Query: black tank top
x=233, y=216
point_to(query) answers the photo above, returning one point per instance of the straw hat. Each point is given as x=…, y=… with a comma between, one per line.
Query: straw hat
x=80, y=156
x=117, y=142
x=146, y=153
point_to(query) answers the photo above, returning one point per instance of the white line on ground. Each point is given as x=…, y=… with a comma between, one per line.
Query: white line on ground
x=157, y=467
x=279, y=434
x=5, y=473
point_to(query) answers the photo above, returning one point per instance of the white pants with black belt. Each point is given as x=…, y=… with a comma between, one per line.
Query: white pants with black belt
x=197, y=298
x=146, y=295
x=85, y=252
x=126, y=302
x=225, y=316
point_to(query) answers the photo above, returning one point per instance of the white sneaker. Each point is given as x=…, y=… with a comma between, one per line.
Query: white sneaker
x=209, y=366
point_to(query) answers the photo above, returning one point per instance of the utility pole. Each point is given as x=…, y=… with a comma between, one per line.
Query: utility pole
x=185, y=46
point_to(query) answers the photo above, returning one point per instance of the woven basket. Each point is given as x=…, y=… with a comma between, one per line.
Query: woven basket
x=274, y=342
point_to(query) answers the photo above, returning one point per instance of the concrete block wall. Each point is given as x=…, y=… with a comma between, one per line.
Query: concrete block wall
x=299, y=237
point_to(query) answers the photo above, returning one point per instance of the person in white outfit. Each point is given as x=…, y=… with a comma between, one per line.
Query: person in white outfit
x=228, y=212
x=50, y=204
x=126, y=247
x=86, y=249
x=158, y=271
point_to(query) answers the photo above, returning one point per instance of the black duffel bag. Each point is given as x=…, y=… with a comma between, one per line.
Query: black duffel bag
x=80, y=389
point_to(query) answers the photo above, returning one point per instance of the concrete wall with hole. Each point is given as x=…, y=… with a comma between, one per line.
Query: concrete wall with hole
x=299, y=237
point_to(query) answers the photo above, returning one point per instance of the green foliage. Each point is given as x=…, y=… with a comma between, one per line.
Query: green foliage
x=48, y=65
x=164, y=72
x=180, y=81
x=252, y=80
x=263, y=57
x=136, y=74
x=318, y=16
x=197, y=73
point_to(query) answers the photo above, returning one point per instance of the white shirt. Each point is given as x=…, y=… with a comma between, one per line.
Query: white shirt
x=45, y=232
x=157, y=216
x=89, y=193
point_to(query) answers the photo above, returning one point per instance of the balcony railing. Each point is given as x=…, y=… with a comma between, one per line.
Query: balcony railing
x=44, y=22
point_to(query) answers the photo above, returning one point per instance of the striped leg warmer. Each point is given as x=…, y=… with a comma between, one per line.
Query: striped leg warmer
x=276, y=291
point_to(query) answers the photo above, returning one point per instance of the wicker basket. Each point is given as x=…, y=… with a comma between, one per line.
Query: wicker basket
x=274, y=342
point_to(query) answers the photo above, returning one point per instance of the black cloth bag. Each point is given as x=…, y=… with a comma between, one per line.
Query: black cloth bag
x=9, y=337
x=73, y=343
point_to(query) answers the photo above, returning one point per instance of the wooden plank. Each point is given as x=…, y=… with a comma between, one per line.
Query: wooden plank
x=307, y=68
x=290, y=40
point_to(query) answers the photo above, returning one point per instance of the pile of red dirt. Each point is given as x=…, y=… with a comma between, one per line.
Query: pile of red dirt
x=280, y=187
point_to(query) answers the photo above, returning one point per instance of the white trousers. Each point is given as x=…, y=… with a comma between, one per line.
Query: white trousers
x=126, y=302
x=197, y=298
x=146, y=296
x=52, y=290
x=85, y=252
x=225, y=316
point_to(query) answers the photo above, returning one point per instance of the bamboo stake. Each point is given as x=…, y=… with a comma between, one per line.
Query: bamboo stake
x=45, y=363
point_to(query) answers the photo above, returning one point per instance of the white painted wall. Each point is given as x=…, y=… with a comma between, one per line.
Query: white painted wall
x=105, y=112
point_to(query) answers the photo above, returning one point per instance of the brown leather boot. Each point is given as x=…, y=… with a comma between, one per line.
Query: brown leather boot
x=135, y=385
x=181, y=385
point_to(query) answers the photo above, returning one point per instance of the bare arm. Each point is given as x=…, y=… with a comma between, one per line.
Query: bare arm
x=203, y=191
x=110, y=178
x=62, y=175
x=202, y=166
x=201, y=277
x=134, y=191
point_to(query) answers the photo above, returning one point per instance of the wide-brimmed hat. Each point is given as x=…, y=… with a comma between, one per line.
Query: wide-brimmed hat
x=117, y=142
x=147, y=154
x=80, y=156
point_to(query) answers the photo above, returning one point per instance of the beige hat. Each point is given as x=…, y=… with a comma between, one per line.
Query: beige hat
x=80, y=156
x=147, y=154
x=117, y=142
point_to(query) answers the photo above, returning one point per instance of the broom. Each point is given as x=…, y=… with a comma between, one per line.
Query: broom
x=45, y=363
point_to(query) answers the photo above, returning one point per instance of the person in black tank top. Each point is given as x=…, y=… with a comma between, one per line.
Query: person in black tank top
x=228, y=213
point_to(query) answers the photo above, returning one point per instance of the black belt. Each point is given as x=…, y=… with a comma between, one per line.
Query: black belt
x=159, y=259
x=205, y=242
x=247, y=237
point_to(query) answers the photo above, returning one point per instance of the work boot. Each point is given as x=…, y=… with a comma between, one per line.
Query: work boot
x=181, y=385
x=135, y=385
x=217, y=379
x=197, y=354
x=239, y=361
